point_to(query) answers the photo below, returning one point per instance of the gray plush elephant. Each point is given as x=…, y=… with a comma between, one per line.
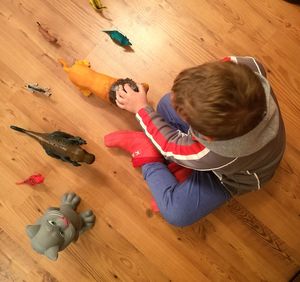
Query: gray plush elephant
x=59, y=227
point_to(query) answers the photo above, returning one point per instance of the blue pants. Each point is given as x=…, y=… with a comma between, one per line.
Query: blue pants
x=183, y=203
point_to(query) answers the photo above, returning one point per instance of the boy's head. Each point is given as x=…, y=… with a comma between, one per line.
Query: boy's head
x=221, y=100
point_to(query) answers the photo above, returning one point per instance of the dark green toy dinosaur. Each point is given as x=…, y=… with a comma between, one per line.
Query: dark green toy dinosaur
x=61, y=145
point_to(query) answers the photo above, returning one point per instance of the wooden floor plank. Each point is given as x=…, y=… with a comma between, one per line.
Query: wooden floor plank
x=252, y=238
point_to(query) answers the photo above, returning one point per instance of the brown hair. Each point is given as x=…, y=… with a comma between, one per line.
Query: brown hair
x=222, y=100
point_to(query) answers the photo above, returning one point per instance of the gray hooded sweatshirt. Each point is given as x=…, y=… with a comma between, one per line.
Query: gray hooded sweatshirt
x=242, y=164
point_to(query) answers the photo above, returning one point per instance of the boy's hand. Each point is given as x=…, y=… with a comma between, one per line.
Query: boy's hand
x=131, y=100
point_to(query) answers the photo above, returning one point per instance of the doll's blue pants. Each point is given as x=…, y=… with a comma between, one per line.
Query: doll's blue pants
x=183, y=203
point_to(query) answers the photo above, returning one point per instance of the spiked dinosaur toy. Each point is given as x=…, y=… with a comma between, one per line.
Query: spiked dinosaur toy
x=61, y=145
x=90, y=82
x=59, y=227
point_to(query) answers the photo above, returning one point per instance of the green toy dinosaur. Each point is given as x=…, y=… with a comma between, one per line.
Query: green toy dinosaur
x=61, y=145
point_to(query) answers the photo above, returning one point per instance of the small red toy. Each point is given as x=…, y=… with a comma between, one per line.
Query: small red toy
x=33, y=180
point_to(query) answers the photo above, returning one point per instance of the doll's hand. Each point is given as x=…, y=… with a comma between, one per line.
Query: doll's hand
x=131, y=100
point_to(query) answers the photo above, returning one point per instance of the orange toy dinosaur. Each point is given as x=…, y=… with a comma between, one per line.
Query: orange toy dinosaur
x=90, y=82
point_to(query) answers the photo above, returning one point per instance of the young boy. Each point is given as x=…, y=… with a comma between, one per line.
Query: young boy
x=222, y=121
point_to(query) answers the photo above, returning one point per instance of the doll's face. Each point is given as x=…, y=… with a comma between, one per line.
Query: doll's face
x=57, y=223
x=52, y=232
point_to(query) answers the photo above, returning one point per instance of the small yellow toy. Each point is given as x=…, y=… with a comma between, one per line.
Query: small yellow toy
x=90, y=82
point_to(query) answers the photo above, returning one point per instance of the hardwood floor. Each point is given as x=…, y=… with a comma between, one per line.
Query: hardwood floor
x=255, y=237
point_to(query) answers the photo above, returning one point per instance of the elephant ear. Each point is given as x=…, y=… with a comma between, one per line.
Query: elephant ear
x=31, y=230
x=52, y=253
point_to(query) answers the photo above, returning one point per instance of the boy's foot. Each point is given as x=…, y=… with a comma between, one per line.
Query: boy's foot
x=137, y=144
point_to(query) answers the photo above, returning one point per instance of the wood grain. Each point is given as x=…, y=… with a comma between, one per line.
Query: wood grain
x=252, y=238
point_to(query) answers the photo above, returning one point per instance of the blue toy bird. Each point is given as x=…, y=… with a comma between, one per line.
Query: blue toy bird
x=118, y=38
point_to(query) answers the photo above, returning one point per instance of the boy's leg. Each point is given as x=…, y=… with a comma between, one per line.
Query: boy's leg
x=184, y=203
x=169, y=114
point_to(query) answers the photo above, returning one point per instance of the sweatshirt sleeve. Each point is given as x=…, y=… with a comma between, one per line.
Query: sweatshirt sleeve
x=177, y=146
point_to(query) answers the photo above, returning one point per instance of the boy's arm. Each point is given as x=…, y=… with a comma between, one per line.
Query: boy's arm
x=173, y=144
x=177, y=146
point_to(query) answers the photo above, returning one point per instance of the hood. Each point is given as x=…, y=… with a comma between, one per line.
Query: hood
x=253, y=140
